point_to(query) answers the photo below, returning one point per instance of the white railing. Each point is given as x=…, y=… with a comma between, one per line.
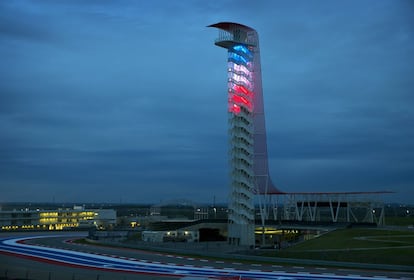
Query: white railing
x=229, y=36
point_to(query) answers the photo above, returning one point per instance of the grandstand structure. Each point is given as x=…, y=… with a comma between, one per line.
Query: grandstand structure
x=250, y=182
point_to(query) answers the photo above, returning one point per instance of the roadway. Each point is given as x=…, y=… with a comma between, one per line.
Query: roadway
x=55, y=257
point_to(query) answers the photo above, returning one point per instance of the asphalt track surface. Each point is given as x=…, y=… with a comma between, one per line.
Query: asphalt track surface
x=56, y=255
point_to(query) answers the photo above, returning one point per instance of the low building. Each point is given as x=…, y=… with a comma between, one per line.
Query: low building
x=111, y=235
x=170, y=236
x=60, y=219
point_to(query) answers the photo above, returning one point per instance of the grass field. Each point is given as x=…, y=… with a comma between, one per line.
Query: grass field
x=377, y=246
x=400, y=221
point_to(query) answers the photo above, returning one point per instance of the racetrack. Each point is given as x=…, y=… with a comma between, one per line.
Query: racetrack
x=91, y=262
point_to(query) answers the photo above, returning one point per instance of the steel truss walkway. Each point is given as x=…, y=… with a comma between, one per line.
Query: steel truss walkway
x=350, y=207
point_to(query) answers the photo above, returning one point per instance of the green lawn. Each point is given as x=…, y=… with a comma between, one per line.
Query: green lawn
x=400, y=221
x=357, y=245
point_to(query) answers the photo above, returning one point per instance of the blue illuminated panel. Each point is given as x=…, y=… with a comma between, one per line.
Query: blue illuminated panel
x=242, y=49
x=237, y=58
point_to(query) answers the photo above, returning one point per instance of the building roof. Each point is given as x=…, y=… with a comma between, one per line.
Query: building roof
x=225, y=25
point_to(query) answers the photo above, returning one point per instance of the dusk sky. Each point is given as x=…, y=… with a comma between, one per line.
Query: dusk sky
x=126, y=101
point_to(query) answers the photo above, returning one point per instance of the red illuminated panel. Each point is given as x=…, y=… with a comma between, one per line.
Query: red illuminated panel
x=242, y=89
x=234, y=109
x=242, y=100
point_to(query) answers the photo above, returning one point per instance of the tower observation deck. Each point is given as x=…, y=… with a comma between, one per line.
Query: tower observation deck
x=249, y=171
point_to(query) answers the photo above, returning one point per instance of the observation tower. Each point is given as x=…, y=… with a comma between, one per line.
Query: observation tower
x=249, y=171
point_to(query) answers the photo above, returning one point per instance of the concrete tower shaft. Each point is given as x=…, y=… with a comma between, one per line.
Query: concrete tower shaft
x=249, y=171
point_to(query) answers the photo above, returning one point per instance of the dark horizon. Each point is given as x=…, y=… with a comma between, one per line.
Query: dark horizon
x=198, y=203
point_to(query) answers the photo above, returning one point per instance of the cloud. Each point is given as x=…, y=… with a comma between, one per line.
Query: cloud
x=19, y=23
x=132, y=96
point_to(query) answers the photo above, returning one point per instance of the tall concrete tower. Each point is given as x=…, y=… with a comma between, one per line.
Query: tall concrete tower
x=249, y=172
